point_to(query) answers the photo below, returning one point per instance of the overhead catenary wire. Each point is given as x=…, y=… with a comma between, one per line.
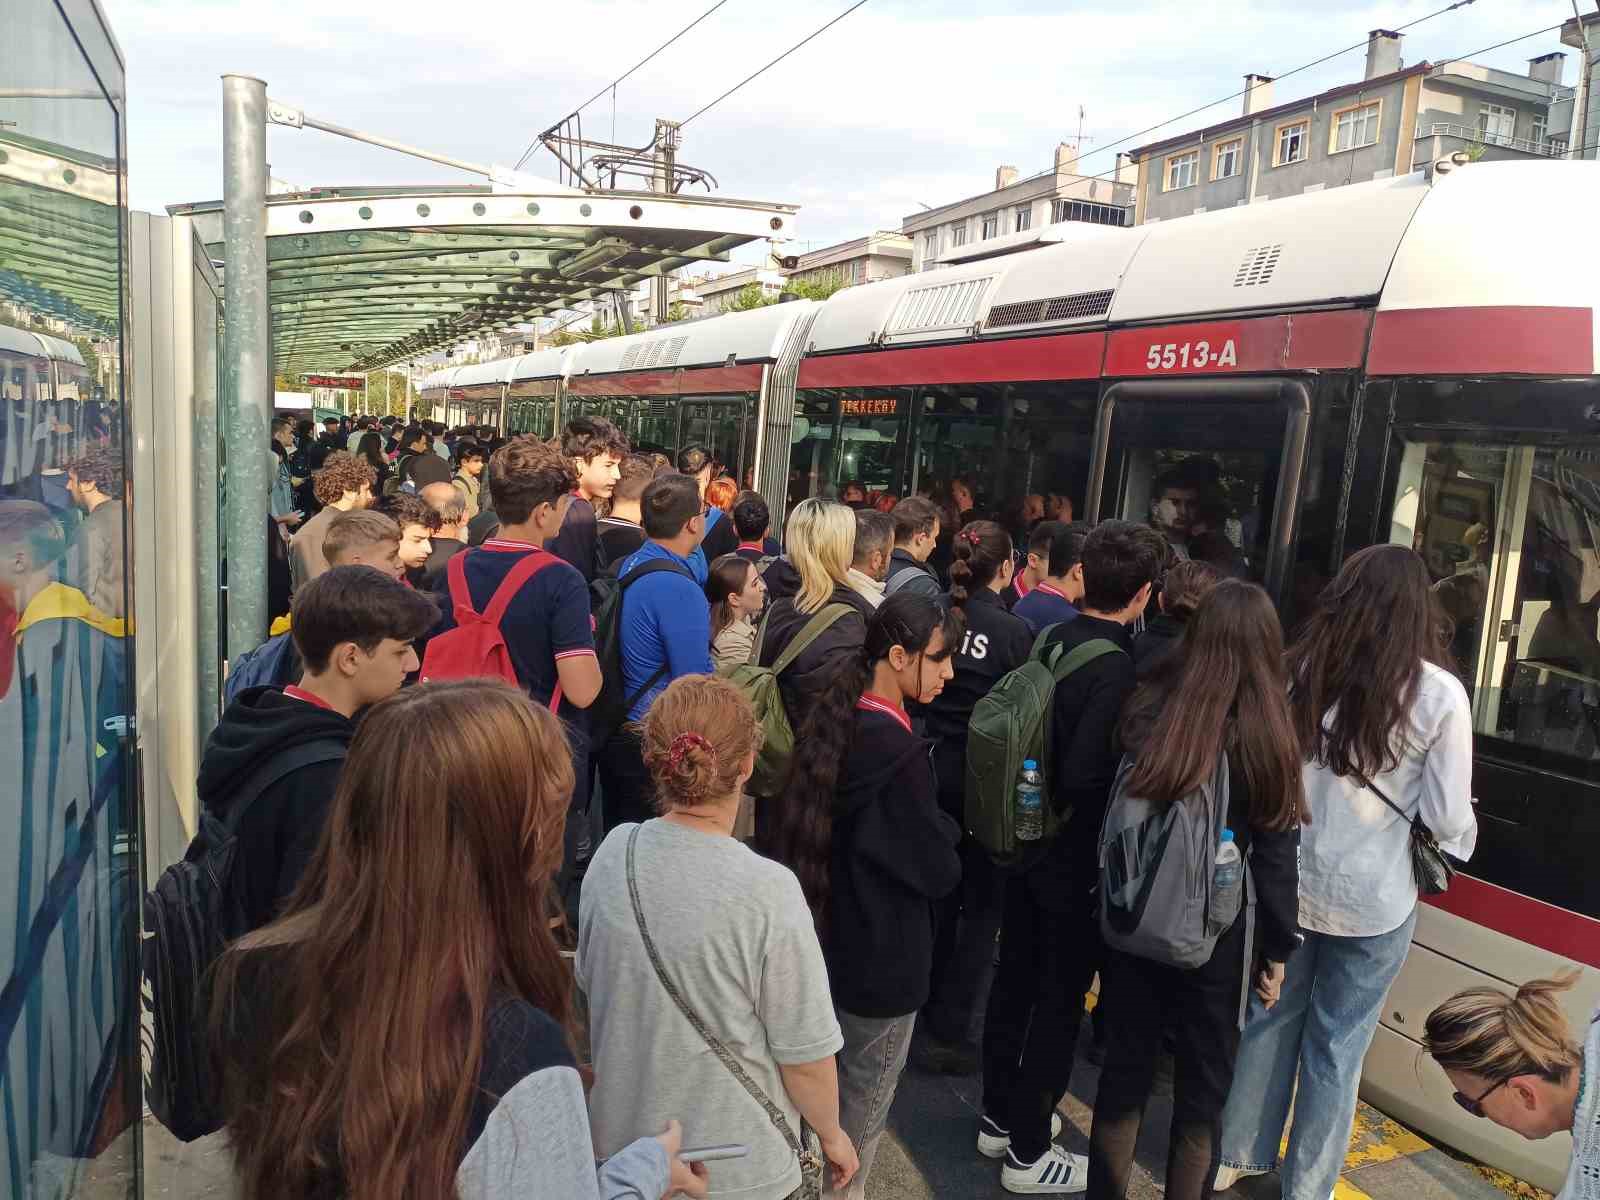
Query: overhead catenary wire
x=612, y=86
x=809, y=37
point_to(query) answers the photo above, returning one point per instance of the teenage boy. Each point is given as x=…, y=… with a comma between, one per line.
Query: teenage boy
x=417, y=521
x=547, y=628
x=468, y=479
x=595, y=448
x=1056, y=598
x=698, y=463
x=752, y=521
x=344, y=483
x=621, y=531
x=353, y=628
x=665, y=633
x=916, y=536
x=1037, y=568
x=364, y=538
x=1051, y=943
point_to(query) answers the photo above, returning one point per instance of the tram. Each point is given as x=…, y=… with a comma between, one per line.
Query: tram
x=1357, y=365
x=48, y=405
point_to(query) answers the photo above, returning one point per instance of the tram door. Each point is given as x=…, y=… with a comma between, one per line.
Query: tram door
x=725, y=427
x=1213, y=466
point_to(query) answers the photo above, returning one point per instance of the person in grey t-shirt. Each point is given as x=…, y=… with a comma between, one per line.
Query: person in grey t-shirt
x=737, y=941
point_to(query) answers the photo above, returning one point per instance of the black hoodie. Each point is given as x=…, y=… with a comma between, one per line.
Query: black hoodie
x=893, y=855
x=281, y=829
x=812, y=671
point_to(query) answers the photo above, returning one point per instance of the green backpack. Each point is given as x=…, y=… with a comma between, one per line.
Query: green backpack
x=760, y=686
x=1013, y=723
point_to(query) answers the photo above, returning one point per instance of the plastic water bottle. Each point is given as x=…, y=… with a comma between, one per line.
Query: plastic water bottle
x=1229, y=875
x=1030, y=803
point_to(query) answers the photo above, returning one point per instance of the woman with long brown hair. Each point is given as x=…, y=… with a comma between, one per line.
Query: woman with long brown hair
x=1220, y=692
x=1385, y=732
x=402, y=1033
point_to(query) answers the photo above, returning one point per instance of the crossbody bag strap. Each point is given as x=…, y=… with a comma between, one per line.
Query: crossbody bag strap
x=1382, y=795
x=724, y=1055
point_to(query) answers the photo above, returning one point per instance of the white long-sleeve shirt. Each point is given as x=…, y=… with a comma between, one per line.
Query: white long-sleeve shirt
x=1355, y=856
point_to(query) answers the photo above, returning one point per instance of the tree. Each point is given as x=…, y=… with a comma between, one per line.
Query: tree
x=816, y=289
x=751, y=295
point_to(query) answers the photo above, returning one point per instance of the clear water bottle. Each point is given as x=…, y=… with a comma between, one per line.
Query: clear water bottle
x=1228, y=878
x=1030, y=803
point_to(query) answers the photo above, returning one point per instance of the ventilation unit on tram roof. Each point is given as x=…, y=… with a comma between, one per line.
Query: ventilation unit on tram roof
x=1257, y=266
x=953, y=305
x=1075, y=307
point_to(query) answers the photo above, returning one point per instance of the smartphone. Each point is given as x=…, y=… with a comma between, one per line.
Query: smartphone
x=694, y=1154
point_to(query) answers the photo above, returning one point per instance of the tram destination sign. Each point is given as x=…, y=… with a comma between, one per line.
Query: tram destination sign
x=349, y=383
x=868, y=406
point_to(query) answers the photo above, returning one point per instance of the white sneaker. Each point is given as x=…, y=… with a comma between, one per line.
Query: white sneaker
x=1056, y=1173
x=1228, y=1176
x=993, y=1142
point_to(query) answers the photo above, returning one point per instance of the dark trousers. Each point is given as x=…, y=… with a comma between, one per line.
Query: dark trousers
x=626, y=788
x=1142, y=1001
x=577, y=841
x=1048, y=954
x=963, y=947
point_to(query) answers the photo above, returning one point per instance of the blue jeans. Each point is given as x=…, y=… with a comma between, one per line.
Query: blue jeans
x=1321, y=1027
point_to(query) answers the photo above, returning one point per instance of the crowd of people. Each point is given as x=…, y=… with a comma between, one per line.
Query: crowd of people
x=761, y=963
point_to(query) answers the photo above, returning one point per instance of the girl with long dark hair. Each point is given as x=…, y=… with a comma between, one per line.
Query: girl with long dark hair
x=1385, y=731
x=993, y=644
x=403, y=1032
x=1221, y=691
x=860, y=825
x=370, y=448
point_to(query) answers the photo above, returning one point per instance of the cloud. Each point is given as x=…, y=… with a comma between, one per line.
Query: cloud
x=902, y=103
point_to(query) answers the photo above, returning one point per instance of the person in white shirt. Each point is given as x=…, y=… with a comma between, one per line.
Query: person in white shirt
x=1514, y=1060
x=1378, y=716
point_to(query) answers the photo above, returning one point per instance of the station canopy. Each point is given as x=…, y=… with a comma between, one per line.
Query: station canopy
x=361, y=278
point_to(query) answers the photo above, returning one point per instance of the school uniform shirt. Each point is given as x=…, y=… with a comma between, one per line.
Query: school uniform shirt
x=721, y=537
x=1043, y=607
x=666, y=622
x=1014, y=591
x=547, y=621
x=892, y=855
x=618, y=539
x=577, y=541
x=756, y=551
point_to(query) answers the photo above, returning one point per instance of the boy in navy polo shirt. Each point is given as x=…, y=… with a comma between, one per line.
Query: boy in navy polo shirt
x=752, y=520
x=1056, y=598
x=666, y=632
x=596, y=448
x=547, y=628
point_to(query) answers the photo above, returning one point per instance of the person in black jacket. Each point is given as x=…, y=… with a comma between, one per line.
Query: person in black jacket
x=1185, y=584
x=353, y=627
x=862, y=829
x=993, y=644
x=1223, y=690
x=1051, y=944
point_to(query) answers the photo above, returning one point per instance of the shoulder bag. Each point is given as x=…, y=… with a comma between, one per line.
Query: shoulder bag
x=1430, y=866
x=811, y=1162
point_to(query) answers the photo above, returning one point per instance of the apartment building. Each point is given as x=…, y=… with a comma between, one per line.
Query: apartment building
x=1392, y=121
x=883, y=254
x=1018, y=206
x=1579, y=115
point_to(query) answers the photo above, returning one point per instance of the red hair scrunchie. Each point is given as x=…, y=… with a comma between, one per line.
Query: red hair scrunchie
x=680, y=746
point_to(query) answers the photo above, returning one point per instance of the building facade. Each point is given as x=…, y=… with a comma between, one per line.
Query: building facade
x=1579, y=116
x=1392, y=121
x=1019, y=206
x=883, y=254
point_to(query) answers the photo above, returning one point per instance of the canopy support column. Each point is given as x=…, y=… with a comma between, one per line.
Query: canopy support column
x=247, y=344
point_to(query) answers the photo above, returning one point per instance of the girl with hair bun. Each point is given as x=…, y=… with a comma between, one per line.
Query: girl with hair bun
x=993, y=644
x=1514, y=1060
x=676, y=911
x=861, y=825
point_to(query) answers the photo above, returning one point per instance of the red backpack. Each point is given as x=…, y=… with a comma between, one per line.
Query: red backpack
x=475, y=648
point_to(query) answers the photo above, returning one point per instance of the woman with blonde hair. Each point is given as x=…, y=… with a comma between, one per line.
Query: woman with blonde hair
x=1514, y=1060
x=346, y=1071
x=706, y=985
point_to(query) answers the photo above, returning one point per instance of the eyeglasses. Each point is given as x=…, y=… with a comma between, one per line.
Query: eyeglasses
x=1475, y=1107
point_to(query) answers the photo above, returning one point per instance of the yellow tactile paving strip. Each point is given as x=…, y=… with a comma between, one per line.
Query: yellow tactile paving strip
x=1374, y=1138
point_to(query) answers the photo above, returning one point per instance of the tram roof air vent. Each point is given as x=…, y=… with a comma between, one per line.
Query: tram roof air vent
x=1257, y=266
x=630, y=356
x=939, y=306
x=673, y=350
x=1075, y=307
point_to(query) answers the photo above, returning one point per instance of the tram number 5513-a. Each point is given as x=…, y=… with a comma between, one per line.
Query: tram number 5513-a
x=1190, y=356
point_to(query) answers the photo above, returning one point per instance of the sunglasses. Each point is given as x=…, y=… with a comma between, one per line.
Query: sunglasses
x=1475, y=1107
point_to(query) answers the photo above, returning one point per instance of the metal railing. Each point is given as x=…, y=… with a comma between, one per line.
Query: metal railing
x=1480, y=137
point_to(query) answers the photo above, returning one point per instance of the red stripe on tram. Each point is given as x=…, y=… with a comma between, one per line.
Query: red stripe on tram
x=1491, y=340
x=1060, y=356
x=1558, y=930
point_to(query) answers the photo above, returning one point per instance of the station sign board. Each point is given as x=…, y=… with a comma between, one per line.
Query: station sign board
x=349, y=383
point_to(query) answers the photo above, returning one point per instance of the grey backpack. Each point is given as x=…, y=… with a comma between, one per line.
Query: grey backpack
x=1157, y=863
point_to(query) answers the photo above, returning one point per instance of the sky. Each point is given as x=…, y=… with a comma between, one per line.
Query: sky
x=904, y=103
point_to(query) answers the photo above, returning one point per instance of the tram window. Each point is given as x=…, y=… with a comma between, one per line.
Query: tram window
x=1204, y=473
x=846, y=434
x=725, y=425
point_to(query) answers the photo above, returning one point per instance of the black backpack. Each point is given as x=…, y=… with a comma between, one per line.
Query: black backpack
x=189, y=917
x=610, y=708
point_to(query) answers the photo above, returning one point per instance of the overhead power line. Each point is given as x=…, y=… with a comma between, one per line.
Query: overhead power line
x=809, y=37
x=620, y=78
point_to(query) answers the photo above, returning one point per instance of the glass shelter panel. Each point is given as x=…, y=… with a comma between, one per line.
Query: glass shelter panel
x=69, y=857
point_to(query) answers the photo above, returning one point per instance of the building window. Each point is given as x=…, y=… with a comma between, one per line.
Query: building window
x=991, y=225
x=1183, y=170
x=958, y=234
x=1090, y=212
x=930, y=246
x=1496, y=124
x=1226, y=157
x=1292, y=141
x=1558, y=146
x=1355, y=127
x=1539, y=130
x=1024, y=219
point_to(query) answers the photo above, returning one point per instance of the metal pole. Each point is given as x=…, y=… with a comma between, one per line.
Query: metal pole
x=247, y=350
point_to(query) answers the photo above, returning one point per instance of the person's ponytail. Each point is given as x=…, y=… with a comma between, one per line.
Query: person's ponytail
x=979, y=552
x=1486, y=1032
